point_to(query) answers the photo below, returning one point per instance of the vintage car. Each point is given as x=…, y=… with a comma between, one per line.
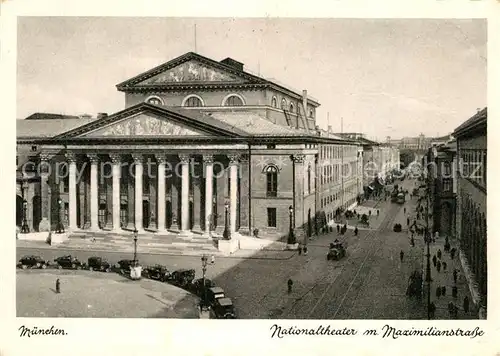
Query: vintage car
x=157, y=272
x=336, y=252
x=182, y=277
x=32, y=261
x=223, y=308
x=213, y=294
x=98, y=264
x=197, y=286
x=68, y=262
x=124, y=266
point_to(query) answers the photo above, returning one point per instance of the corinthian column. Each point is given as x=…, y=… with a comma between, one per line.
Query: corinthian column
x=116, y=173
x=45, y=224
x=233, y=192
x=94, y=192
x=139, y=170
x=208, y=160
x=71, y=157
x=161, y=192
x=185, y=194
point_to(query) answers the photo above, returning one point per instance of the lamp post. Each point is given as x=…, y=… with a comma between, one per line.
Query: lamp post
x=204, y=263
x=227, y=234
x=24, y=227
x=291, y=234
x=60, y=226
x=135, y=247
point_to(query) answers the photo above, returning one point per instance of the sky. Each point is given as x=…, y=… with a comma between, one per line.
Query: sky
x=396, y=77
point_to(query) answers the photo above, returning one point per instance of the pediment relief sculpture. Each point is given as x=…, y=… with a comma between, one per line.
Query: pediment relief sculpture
x=143, y=125
x=191, y=72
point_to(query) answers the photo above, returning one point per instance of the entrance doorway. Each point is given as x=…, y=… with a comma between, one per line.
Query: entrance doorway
x=145, y=214
x=37, y=211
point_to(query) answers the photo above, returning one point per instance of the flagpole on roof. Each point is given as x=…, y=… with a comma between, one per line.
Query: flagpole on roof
x=195, y=49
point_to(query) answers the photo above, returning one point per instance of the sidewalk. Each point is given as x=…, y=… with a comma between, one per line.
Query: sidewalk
x=445, y=278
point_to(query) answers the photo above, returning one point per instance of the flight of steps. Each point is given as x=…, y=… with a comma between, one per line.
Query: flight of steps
x=146, y=242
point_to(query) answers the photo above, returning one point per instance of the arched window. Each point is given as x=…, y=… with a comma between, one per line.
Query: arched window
x=233, y=100
x=291, y=108
x=274, y=102
x=283, y=104
x=272, y=181
x=311, y=113
x=155, y=100
x=192, y=101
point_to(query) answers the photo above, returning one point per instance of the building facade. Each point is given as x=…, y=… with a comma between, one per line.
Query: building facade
x=201, y=144
x=471, y=224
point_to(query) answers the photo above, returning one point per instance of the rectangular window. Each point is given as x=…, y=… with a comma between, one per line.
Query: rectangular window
x=446, y=185
x=271, y=217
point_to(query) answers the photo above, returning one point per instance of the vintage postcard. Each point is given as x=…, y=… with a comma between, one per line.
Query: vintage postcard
x=325, y=176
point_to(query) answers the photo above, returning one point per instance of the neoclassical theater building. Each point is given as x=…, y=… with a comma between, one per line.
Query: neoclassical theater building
x=200, y=144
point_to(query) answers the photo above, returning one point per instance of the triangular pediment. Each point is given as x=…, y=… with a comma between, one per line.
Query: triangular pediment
x=144, y=124
x=192, y=71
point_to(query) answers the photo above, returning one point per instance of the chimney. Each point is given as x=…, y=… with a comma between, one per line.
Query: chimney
x=101, y=115
x=329, y=129
x=233, y=63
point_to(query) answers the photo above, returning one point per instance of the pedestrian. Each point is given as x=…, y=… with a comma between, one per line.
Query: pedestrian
x=290, y=285
x=401, y=255
x=356, y=231
x=408, y=221
x=378, y=212
x=439, y=254
x=444, y=266
x=300, y=250
x=455, y=312
x=438, y=266
x=345, y=228
x=452, y=252
x=432, y=310
x=58, y=286
x=443, y=291
x=454, y=291
x=438, y=292
x=412, y=242
x=305, y=250
x=338, y=229
x=369, y=212
x=466, y=304
x=451, y=309
x=418, y=216
x=455, y=275
x=434, y=260
x=404, y=210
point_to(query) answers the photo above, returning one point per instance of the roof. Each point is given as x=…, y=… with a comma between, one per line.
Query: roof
x=254, y=125
x=358, y=138
x=225, y=302
x=217, y=290
x=48, y=116
x=478, y=119
x=250, y=78
x=47, y=127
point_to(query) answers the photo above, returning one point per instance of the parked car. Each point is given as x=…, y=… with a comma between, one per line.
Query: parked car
x=182, y=277
x=197, y=286
x=98, y=264
x=223, y=308
x=32, y=261
x=69, y=262
x=157, y=272
x=124, y=266
x=213, y=294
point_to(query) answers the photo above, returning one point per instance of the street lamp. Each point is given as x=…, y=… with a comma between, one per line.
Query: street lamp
x=24, y=227
x=204, y=263
x=60, y=226
x=135, y=247
x=291, y=234
x=227, y=234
